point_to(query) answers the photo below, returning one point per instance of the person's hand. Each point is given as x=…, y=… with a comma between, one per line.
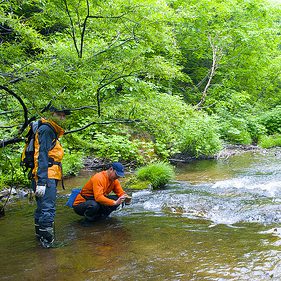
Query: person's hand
x=120, y=200
x=40, y=190
x=128, y=200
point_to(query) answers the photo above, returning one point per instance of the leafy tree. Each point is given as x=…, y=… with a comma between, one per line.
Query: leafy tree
x=167, y=63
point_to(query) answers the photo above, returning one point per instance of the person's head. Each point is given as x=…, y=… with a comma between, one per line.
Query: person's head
x=58, y=115
x=116, y=171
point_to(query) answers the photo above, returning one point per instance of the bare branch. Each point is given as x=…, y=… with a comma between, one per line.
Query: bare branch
x=73, y=35
x=27, y=120
x=8, y=127
x=107, y=17
x=111, y=46
x=83, y=107
x=106, y=84
x=4, y=143
x=79, y=49
x=25, y=111
x=101, y=123
x=217, y=54
x=8, y=111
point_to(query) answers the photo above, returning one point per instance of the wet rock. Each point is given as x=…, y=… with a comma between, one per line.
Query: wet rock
x=95, y=163
x=231, y=150
x=12, y=193
x=228, y=151
x=91, y=163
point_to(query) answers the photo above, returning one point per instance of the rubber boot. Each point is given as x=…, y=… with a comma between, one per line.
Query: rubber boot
x=37, y=234
x=47, y=236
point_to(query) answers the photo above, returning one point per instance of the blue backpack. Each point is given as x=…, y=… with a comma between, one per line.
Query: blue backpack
x=72, y=197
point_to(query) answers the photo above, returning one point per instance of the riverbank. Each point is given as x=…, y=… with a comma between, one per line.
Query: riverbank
x=92, y=163
x=95, y=164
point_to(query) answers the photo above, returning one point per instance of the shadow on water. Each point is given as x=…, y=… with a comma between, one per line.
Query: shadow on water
x=218, y=221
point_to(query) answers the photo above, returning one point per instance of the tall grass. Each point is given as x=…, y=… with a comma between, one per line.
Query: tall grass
x=270, y=141
x=158, y=174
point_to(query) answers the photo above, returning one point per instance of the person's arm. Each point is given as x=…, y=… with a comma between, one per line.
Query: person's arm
x=45, y=138
x=117, y=189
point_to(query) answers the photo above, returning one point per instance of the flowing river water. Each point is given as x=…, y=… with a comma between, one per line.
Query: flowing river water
x=220, y=220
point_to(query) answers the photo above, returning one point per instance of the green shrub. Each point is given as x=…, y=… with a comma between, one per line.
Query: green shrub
x=256, y=129
x=199, y=137
x=72, y=163
x=172, y=125
x=11, y=174
x=158, y=174
x=117, y=148
x=134, y=183
x=235, y=130
x=113, y=147
x=270, y=141
x=272, y=120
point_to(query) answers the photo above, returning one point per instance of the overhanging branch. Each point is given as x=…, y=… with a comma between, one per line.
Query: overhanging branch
x=25, y=111
x=101, y=123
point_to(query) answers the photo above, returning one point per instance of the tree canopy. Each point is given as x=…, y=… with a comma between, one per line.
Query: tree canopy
x=193, y=73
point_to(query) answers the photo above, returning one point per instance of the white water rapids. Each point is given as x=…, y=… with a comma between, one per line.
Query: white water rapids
x=251, y=192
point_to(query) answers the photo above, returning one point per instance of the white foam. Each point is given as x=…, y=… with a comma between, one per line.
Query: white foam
x=272, y=187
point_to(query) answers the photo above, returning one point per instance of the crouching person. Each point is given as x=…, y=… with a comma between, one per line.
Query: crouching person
x=94, y=201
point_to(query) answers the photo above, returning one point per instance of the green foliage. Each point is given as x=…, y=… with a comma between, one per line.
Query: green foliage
x=158, y=174
x=255, y=129
x=247, y=35
x=147, y=60
x=270, y=141
x=271, y=119
x=235, y=130
x=200, y=137
x=134, y=183
x=11, y=174
x=120, y=148
x=172, y=125
x=237, y=119
x=72, y=163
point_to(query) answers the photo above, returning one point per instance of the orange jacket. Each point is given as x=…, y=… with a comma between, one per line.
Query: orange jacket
x=99, y=186
x=47, y=146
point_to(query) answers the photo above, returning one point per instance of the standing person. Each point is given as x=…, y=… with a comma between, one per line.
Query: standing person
x=94, y=202
x=47, y=171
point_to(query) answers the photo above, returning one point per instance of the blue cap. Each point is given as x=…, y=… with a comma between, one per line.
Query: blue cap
x=119, y=169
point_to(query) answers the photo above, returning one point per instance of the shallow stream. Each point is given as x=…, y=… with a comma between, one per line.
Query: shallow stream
x=220, y=220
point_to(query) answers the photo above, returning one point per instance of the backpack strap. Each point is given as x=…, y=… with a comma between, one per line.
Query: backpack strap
x=49, y=125
x=51, y=161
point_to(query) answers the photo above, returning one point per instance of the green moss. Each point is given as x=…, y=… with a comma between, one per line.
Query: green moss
x=139, y=185
x=133, y=183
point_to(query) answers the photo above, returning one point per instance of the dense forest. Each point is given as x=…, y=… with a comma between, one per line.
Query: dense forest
x=144, y=79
